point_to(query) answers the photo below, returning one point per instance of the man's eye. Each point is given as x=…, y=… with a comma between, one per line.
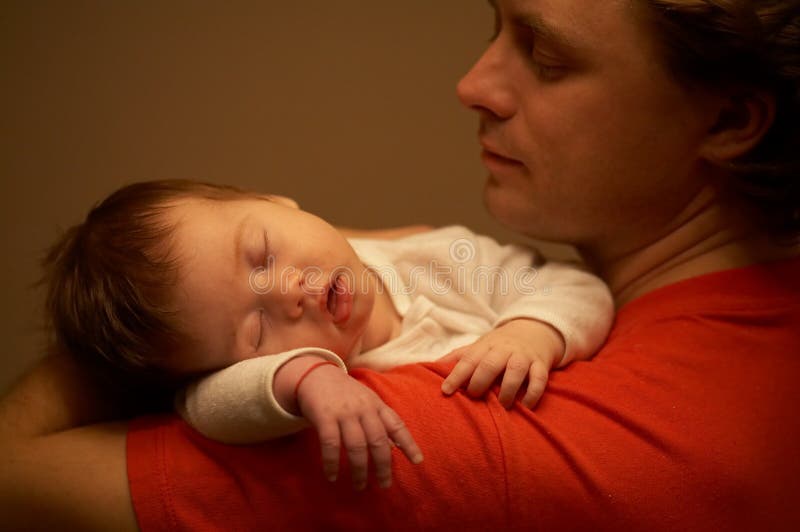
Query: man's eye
x=548, y=72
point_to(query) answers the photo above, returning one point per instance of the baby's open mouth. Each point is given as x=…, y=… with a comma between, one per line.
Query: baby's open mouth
x=331, y=297
x=339, y=300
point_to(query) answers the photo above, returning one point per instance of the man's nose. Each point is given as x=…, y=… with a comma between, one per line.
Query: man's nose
x=487, y=87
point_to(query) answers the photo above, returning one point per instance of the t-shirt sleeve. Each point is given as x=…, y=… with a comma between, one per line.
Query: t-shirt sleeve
x=237, y=404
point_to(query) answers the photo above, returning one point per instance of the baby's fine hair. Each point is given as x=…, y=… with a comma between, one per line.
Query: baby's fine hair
x=110, y=280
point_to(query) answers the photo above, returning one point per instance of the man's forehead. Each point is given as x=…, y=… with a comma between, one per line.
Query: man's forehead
x=587, y=28
x=576, y=22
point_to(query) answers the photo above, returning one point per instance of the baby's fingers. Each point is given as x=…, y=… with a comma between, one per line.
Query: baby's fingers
x=490, y=366
x=537, y=381
x=329, y=440
x=517, y=368
x=462, y=371
x=380, y=449
x=355, y=443
x=400, y=435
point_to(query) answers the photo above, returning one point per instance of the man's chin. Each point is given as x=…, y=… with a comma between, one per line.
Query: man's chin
x=511, y=211
x=503, y=205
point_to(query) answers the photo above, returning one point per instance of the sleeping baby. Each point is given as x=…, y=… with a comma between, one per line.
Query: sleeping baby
x=255, y=309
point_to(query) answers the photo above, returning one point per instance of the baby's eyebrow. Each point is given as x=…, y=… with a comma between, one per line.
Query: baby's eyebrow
x=238, y=235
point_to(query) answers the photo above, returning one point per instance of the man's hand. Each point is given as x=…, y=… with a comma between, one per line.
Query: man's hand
x=522, y=348
x=343, y=409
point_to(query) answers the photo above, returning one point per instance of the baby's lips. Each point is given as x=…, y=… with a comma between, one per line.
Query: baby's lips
x=343, y=300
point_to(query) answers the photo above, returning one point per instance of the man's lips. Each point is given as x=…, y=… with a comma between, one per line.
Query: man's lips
x=499, y=165
x=492, y=157
x=339, y=300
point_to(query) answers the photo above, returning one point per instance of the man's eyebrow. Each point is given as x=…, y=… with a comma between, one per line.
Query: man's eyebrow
x=547, y=31
x=543, y=29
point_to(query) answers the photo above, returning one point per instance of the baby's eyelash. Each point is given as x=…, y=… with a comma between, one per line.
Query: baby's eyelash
x=260, y=327
x=266, y=249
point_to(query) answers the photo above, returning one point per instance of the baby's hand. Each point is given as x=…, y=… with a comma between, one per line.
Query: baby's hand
x=522, y=348
x=343, y=409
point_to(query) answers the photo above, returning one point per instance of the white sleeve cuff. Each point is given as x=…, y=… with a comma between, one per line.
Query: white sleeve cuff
x=237, y=404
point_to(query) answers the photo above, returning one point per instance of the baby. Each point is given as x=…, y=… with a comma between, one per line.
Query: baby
x=268, y=304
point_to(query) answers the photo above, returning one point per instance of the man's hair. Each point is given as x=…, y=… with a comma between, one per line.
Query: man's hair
x=110, y=280
x=753, y=44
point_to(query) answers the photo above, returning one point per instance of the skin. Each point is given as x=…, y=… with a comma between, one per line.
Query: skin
x=586, y=120
x=255, y=278
x=613, y=142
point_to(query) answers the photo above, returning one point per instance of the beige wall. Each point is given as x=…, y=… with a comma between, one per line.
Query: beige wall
x=346, y=105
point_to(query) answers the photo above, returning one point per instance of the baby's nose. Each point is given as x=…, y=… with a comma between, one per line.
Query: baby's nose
x=293, y=295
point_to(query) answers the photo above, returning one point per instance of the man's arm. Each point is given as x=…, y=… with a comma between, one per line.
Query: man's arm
x=58, y=473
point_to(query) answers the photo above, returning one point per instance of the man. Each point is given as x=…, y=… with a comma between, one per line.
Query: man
x=610, y=125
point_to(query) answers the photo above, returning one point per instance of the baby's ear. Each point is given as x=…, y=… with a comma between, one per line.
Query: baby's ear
x=283, y=200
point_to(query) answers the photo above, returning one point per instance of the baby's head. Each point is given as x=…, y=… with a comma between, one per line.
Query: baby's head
x=167, y=279
x=108, y=279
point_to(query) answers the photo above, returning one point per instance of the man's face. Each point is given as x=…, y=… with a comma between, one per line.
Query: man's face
x=586, y=136
x=258, y=277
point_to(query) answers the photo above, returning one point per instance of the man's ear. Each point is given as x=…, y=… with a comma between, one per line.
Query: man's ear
x=283, y=200
x=742, y=121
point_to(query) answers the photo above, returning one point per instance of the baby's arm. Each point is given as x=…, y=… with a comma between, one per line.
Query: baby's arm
x=264, y=398
x=566, y=317
x=344, y=410
x=572, y=301
x=237, y=404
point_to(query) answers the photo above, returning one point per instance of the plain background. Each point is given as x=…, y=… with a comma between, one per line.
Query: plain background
x=348, y=106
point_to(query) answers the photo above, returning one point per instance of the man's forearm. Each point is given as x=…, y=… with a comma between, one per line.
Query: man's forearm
x=55, y=395
x=60, y=471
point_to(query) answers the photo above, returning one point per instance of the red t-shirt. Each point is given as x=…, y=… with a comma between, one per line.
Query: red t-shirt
x=686, y=419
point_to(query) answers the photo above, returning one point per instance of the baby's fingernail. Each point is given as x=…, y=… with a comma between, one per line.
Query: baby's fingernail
x=417, y=458
x=386, y=483
x=447, y=388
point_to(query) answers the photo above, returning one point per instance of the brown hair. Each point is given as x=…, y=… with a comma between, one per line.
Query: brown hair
x=109, y=279
x=752, y=44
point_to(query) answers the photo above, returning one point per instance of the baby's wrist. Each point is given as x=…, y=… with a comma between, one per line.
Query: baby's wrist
x=287, y=378
x=544, y=334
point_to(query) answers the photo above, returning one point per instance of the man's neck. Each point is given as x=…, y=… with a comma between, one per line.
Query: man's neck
x=704, y=238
